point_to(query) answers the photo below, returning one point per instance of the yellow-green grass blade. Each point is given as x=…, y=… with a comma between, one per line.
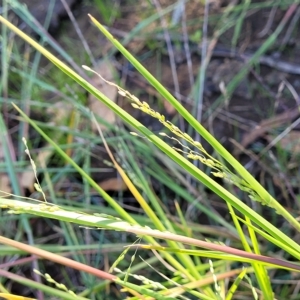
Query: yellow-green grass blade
x=189, y=167
x=235, y=285
x=105, y=222
x=265, y=197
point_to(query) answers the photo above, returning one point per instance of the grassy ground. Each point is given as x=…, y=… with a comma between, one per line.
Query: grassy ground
x=233, y=66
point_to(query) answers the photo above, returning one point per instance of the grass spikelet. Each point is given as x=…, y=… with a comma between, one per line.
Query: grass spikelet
x=37, y=185
x=121, y=257
x=217, y=287
x=147, y=282
x=204, y=157
x=57, y=284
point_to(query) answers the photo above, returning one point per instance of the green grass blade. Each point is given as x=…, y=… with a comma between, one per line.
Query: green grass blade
x=235, y=284
x=121, y=212
x=111, y=223
x=263, y=194
x=189, y=167
x=54, y=292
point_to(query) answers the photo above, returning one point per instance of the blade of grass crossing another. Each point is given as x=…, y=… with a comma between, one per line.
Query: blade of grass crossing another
x=263, y=194
x=260, y=271
x=189, y=167
x=122, y=213
x=235, y=285
x=157, y=220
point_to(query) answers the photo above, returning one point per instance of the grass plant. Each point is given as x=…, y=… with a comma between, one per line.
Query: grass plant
x=180, y=262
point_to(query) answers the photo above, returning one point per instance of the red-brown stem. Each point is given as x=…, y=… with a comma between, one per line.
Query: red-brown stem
x=57, y=258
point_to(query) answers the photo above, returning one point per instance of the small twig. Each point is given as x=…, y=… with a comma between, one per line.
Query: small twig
x=78, y=31
x=275, y=141
x=187, y=48
x=44, y=33
x=292, y=91
x=204, y=62
x=261, y=81
x=279, y=137
x=291, y=28
x=170, y=48
x=269, y=23
x=268, y=124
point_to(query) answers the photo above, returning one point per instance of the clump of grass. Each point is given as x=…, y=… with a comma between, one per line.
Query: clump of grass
x=220, y=170
x=178, y=253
